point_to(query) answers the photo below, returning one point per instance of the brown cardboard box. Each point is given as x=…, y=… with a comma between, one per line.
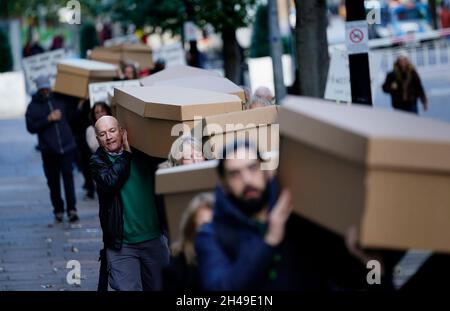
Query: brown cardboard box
x=180, y=185
x=105, y=55
x=74, y=75
x=210, y=83
x=258, y=125
x=387, y=172
x=149, y=113
x=139, y=53
x=176, y=72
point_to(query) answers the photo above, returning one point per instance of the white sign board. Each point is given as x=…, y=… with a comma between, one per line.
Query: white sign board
x=357, y=37
x=172, y=54
x=261, y=72
x=338, y=81
x=41, y=64
x=190, y=31
x=13, y=103
x=99, y=91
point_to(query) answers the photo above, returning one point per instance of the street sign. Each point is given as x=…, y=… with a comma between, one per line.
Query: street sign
x=41, y=64
x=99, y=91
x=357, y=37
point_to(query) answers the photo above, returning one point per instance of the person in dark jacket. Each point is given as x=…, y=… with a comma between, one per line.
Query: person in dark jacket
x=80, y=121
x=254, y=243
x=46, y=116
x=133, y=226
x=404, y=86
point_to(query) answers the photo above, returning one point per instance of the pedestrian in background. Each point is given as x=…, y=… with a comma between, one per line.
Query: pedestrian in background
x=404, y=86
x=46, y=116
x=99, y=110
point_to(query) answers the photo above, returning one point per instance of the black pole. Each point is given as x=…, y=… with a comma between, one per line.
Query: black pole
x=359, y=63
x=193, y=51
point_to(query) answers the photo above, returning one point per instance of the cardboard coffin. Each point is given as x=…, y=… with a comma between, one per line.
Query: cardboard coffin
x=176, y=72
x=258, y=125
x=74, y=75
x=387, y=172
x=180, y=185
x=139, y=53
x=150, y=113
x=210, y=83
x=105, y=55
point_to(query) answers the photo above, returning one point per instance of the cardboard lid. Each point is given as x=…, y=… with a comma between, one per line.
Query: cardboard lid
x=87, y=67
x=103, y=54
x=130, y=48
x=186, y=178
x=248, y=118
x=210, y=83
x=175, y=103
x=372, y=136
x=176, y=72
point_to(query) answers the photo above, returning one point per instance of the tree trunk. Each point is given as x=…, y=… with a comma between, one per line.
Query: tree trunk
x=232, y=57
x=312, y=47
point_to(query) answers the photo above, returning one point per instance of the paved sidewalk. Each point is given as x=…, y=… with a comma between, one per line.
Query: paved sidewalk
x=33, y=250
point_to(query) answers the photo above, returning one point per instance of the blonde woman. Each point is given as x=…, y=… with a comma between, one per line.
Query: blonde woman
x=185, y=149
x=181, y=274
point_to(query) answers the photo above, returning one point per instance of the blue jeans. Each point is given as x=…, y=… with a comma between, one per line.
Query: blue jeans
x=137, y=267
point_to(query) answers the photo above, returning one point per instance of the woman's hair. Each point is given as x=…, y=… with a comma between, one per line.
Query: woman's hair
x=132, y=65
x=105, y=107
x=175, y=156
x=188, y=227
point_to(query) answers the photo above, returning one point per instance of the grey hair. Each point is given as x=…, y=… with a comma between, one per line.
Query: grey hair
x=176, y=151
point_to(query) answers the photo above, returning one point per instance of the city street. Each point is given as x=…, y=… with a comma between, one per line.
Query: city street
x=33, y=250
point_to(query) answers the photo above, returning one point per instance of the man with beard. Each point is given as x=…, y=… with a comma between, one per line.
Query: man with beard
x=255, y=243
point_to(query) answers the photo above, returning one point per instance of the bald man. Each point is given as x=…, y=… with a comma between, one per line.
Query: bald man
x=134, y=244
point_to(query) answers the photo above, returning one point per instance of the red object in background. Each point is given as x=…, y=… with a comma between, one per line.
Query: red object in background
x=445, y=17
x=144, y=73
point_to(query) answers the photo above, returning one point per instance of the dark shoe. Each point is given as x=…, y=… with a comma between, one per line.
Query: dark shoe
x=59, y=217
x=73, y=217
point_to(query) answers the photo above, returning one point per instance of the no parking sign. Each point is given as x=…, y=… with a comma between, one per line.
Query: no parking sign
x=357, y=37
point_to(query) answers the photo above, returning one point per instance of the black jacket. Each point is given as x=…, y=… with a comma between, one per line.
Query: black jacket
x=110, y=178
x=409, y=89
x=232, y=254
x=54, y=137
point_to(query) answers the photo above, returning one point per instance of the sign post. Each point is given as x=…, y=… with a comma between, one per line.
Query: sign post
x=357, y=42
